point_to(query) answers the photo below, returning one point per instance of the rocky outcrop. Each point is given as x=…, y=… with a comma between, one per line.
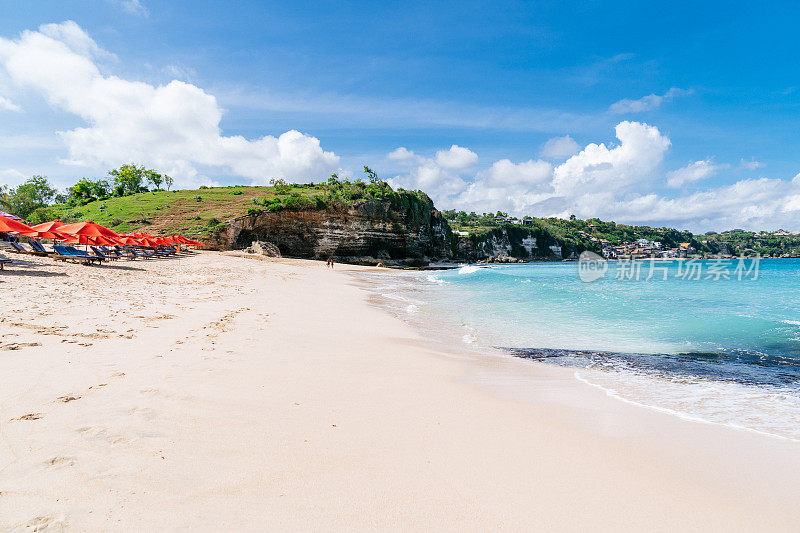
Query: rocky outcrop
x=263, y=248
x=514, y=243
x=372, y=232
x=501, y=259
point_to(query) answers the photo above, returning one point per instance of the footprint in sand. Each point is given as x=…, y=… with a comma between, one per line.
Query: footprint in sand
x=18, y=345
x=57, y=462
x=100, y=433
x=144, y=412
x=29, y=416
x=43, y=523
x=68, y=398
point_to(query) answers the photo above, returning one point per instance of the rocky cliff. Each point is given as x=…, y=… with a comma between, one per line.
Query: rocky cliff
x=392, y=232
x=514, y=241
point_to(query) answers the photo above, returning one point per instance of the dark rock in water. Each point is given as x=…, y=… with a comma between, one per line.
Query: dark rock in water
x=501, y=259
x=263, y=248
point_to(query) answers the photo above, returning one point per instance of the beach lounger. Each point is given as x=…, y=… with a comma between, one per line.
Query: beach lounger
x=33, y=251
x=99, y=253
x=17, y=248
x=37, y=247
x=114, y=253
x=136, y=253
x=148, y=254
x=4, y=261
x=128, y=252
x=64, y=253
x=84, y=255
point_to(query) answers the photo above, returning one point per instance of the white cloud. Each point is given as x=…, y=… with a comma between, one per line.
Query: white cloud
x=646, y=103
x=404, y=155
x=601, y=168
x=173, y=127
x=133, y=7
x=504, y=172
x=11, y=177
x=752, y=164
x=560, y=147
x=8, y=105
x=612, y=182
x=73, y=36
x=456, y=157
x=180, y=72
x=699, y=170
x=529, y=186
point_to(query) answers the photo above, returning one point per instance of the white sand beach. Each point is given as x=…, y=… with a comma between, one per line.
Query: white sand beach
x=215, y=392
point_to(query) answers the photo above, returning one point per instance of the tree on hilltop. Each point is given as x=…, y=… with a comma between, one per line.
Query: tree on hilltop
x=29, y=196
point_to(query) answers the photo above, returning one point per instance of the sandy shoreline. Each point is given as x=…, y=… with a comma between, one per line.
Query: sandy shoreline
x=219, y=392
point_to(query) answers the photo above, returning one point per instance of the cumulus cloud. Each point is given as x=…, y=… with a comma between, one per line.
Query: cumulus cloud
x=598, y=169
x=8, y=105
x=504, y=172
x=560, y=147
x=752, y=164
x=404, y=155
x=456, y=157
x=646, y=103
x=174, y=127
x=611, y=182
x=699, y=170
x=603, y=168
x=73, y=36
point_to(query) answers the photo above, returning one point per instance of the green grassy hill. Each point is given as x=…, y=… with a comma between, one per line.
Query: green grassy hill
x=194, y=213
x=200, y=213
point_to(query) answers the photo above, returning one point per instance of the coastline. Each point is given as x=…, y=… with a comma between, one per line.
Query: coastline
x=215, y=391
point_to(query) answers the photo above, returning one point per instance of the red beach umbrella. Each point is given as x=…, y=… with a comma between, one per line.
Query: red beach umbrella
x=126, y=240
x=46, y=230
x=9, y=225
x=87, y=228
x=48, y=226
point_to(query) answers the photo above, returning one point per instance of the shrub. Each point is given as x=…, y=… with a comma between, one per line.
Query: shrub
x=117, y=222
x=297, y=202
x=280, y=185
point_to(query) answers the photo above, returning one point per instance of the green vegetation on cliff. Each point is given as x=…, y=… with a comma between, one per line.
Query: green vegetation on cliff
x=126, y=204
x=590, y=234
x=132, y=198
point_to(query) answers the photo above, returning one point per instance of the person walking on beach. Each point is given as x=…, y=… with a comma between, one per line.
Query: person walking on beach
x=329, y=262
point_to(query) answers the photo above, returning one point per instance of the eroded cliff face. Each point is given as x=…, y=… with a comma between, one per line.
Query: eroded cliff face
x=521, y=243
x=375, y=231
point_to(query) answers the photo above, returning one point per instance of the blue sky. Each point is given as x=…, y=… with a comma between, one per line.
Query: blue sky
x=718, y=81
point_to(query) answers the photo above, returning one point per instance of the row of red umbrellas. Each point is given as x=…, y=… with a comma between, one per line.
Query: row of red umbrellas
x=88, y=233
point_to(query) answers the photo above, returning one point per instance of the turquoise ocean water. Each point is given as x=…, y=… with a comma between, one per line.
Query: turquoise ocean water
x=712, y=341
